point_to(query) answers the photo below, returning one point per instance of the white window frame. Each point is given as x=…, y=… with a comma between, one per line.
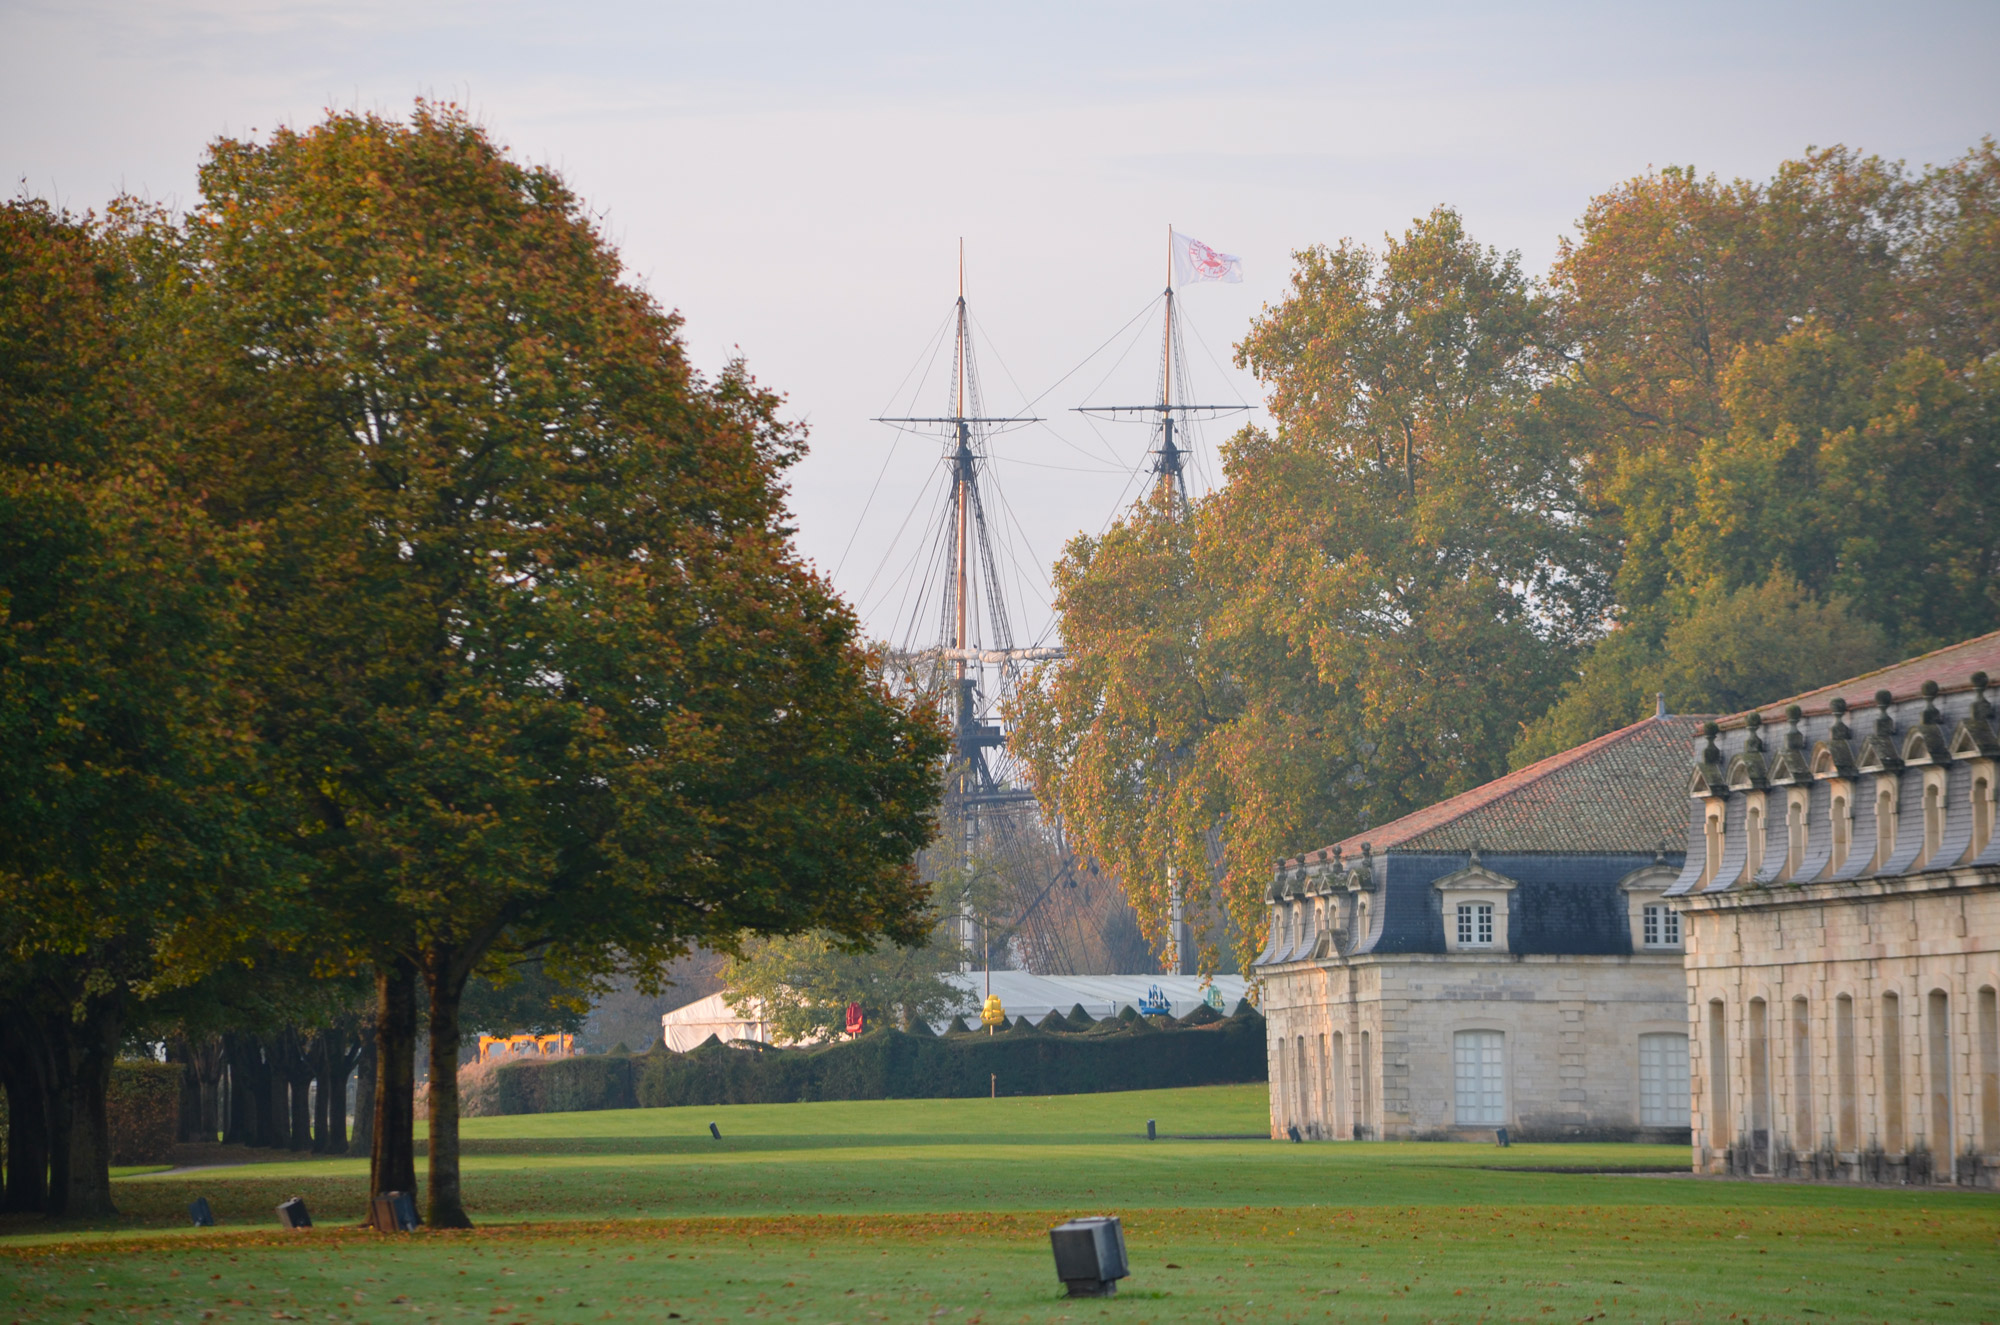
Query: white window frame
x=1474, y=923
x=1643, y=888
x=1671, y=1099
x=1486, y=1105
x=1475, y=885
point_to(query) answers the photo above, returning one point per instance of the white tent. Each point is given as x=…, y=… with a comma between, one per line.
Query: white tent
x=1021, y=994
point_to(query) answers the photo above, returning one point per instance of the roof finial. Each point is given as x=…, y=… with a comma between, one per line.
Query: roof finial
x=1709, y=754
x=1839, y=731
x=1659, y=703
x=1794, y=738
x=1931, y=715
x=1982, y=707
x=1885, y=722
x=1754, y=720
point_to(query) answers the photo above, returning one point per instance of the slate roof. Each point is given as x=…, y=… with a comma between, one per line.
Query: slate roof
x=1951, y=667
x=1624, y=792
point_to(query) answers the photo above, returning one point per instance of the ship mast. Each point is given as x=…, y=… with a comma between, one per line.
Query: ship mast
x=1171, y=467
x=1168, y=414
x=971, y=787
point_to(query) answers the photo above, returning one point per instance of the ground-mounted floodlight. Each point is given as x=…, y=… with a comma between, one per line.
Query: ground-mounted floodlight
x=393, y=1212
x=1090, y=1255
x=292, y=1213
x=199, y=1211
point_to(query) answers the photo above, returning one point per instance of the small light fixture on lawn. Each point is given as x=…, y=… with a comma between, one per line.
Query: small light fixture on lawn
x=1090, y=1255
x=199, y=1211
x=292, y=1213
x=393, y=1212
x=715, y=1131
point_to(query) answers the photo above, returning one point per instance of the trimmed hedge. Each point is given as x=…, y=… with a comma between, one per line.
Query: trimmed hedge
x=564, y=1085
x=891, y=1064
x=143, y=1108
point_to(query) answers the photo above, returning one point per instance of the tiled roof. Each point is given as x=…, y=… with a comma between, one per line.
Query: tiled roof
x=1626, y=791
x=1951, y=667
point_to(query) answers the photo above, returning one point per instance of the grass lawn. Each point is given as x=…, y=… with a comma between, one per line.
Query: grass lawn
x=921, y=1209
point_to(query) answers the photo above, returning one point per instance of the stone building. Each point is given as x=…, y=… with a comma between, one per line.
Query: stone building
x=1841, y=905
x=1502, y=958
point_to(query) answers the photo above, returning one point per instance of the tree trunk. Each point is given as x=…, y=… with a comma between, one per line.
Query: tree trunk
x=242, y=1124
x=321, y=1057
x=187, y=1126
x=93, y=1046
x=392, y=1164
x=445, y=973
x=364, y=1096
x=51, y=1047
x=341, y=1049
x=296, y=1069
x=275, y=1115
x=27, y=1122
x=208, y=1066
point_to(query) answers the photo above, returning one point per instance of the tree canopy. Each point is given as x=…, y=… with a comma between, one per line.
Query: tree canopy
x=1740, y=440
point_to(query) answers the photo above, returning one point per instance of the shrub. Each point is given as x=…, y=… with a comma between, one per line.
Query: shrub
x=143, y=1108
x=893, y=1064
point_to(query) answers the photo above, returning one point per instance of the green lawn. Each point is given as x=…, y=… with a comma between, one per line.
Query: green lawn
x=920, y=1209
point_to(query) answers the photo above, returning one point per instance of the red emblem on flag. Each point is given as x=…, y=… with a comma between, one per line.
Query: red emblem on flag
x=1212, y=265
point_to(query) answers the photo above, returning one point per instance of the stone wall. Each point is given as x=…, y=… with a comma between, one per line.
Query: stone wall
x=1830, y=1003
x=1363, y=1048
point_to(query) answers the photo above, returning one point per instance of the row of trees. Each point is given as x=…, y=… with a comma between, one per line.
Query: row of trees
x=383, y=597
x=1742, y=438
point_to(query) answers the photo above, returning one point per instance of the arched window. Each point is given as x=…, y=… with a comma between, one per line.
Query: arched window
x=1839, y=831
x=1713, y=860
x=1933, y=821
x=1343, y=1120
x=1757, y=1050
x=1753, y=828
x=1890, y=1040
x=1802, y=1092
x=1885, y=826
x=1937, y=1075
x=1846, y=1087
x=1718, y=1075
x=1982, y=815
x=1364, y=1126
x=1989, y=1070
x=1795, y=838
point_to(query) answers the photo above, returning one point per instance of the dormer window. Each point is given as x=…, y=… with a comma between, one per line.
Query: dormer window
x=1842, y=824
x=1885, y=823
x=1473, y=908
x=1712, y=858
x=1656, y=925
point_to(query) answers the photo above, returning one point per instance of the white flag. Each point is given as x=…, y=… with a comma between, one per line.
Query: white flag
x=1196, y=261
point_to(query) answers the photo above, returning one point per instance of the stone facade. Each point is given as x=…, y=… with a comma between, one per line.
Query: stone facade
x=1841, y=904
x=1503, y=958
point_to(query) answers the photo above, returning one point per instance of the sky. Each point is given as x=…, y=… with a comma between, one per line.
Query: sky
x=796, y=179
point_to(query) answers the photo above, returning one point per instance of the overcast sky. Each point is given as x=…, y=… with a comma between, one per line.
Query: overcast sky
x=795, y=178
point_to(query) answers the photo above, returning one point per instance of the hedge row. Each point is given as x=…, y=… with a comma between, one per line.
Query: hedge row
x=890, y=1064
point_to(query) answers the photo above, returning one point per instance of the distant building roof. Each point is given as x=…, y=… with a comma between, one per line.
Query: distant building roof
x=1624, y=792
x=1951, y=667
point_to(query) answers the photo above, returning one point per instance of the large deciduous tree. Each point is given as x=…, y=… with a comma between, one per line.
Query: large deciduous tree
x=540, y=667
x=125, y=764
x=1786, y=379
x=1356, y=622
